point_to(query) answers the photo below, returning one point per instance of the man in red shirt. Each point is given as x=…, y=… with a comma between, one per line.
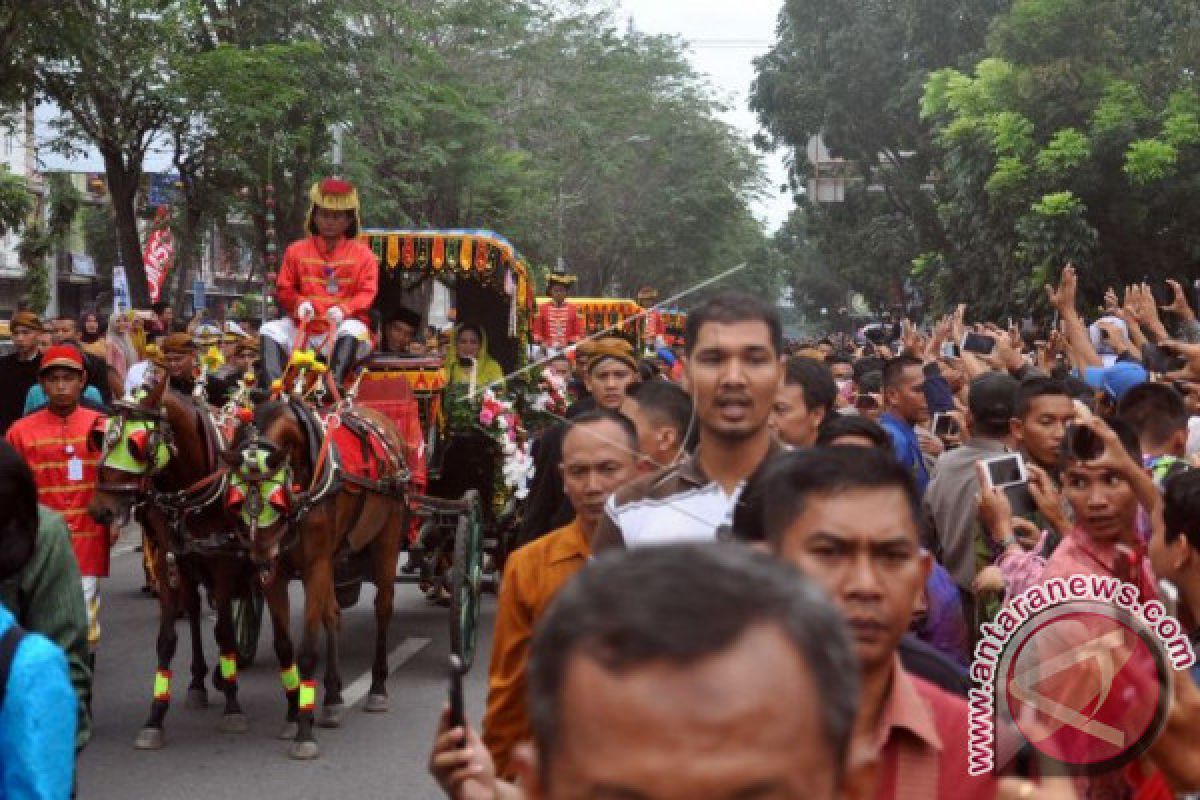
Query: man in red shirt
x=558, y=323
x=327, y=284
x=848, y=518
x=54, y=442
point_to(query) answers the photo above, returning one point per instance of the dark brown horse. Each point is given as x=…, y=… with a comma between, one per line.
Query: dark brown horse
x=302, y=515
x=160, y=456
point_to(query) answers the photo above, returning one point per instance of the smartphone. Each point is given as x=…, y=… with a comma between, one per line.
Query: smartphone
x=1005, y=470
x=950, y=350
x=977, y=343
x=944, y=425
x=1082, y=443
x=458, y=716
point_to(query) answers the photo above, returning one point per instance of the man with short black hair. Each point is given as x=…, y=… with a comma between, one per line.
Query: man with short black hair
x=733, y=368
x=806, y=399
x=19, y=369
x=621, y=696
x=662, y=413
x=1042, y=412
x=1159, y=417
x=599, y=454
x=849, y=519
x=904, y=407
x=950, y=502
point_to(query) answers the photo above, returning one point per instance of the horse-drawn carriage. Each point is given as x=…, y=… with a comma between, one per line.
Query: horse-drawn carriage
x=472, y=454
x=319, y=482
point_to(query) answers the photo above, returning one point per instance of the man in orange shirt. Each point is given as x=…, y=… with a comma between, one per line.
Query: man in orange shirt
x=599, y=455
x=329, y=277
x=54, y=443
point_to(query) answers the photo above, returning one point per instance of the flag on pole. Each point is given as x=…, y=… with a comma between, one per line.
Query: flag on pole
x=159, y=253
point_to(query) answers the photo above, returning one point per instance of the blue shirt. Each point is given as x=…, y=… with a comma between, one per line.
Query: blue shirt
x=37, y=723
x=907, y=448
x=36, y=399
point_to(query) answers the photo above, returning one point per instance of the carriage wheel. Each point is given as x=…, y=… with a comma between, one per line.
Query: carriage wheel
x=247, y=622
x=466, y=579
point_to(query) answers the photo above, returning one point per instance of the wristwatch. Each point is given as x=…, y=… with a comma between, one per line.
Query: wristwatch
x=1008, y=542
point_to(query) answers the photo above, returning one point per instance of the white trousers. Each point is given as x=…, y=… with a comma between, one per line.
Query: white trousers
x=285, y=332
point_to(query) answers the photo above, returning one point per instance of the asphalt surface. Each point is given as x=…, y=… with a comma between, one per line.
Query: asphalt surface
x=370, y=756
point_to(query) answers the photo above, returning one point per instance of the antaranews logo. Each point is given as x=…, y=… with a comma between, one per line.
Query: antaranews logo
x=1077, y=668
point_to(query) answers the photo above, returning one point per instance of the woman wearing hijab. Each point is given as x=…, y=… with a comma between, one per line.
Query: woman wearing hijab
x=92, y=337
x=468, y=365
x=121, y=351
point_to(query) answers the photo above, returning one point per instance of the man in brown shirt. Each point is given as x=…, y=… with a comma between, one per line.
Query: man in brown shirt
x=599, y=454
x=733, y=370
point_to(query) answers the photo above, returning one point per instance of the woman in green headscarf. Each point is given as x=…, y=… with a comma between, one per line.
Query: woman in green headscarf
x=468, y=365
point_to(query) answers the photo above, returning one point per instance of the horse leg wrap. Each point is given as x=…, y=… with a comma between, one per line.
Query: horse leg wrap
x=229, y=667
x=290, y=678
x=308, y=695
x=162, y=686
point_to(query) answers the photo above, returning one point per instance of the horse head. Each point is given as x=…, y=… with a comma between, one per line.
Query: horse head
x=261, y=494
x=134, y=445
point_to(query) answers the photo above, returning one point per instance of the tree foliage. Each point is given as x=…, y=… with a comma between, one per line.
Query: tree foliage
x=1075, y=139
x=542, y=121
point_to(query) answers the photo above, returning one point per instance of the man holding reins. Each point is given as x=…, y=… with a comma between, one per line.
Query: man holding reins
x=326, y=286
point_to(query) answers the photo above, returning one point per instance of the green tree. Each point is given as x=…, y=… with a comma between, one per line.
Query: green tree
x=852, y=72
x=1076, y=139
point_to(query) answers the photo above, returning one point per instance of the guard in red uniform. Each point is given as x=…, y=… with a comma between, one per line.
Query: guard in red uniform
x=558, y=323
x=54, y=442
x=329, y=276
x=652, y=322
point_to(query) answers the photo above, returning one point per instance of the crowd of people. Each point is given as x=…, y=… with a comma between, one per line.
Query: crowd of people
x=623, y=662
x=746, y=567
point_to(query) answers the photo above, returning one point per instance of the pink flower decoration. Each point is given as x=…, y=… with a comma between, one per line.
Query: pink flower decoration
x=486, y=417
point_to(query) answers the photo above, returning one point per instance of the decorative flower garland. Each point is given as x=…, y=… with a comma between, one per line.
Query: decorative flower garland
x=499, y=421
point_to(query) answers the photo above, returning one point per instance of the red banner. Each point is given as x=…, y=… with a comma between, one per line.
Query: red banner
x=159, y=253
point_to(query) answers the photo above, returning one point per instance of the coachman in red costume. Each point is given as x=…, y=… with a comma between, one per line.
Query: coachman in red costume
x=329, y=276
x=558, y=324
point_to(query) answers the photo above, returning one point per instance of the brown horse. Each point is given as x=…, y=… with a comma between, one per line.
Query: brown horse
x=160, y=456
x=303, y=514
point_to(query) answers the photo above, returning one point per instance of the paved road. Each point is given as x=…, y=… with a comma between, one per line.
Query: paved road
x=370, y=756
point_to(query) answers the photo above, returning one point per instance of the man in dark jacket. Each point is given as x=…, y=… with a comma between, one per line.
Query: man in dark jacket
x=19, y=369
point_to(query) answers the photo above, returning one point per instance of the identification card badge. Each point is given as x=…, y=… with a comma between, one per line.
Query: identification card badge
x=74, y=468
x=332, y=286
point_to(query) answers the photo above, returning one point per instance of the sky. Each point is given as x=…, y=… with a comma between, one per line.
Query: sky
x=724, y=37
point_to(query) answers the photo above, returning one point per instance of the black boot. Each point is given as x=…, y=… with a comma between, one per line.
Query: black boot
x=274, y=359
x=345, y=353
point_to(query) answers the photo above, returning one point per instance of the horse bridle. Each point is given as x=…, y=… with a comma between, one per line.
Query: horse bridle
x=160, y=434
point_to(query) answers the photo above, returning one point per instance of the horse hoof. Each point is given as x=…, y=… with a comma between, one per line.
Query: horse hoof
x=289, y=730
x=234, y=723
x=376, y=703
x=149, y=739
x=304, y=751
x=331, y=716
x=196, y=698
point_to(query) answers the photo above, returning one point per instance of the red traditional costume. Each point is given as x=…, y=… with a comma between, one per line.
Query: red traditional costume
x=556, y=325
x=347, y=277
x=56, y=449
x=334, y=285
x=652, y=321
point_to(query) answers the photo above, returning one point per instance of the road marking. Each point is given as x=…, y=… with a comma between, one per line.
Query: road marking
x=400, y=654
